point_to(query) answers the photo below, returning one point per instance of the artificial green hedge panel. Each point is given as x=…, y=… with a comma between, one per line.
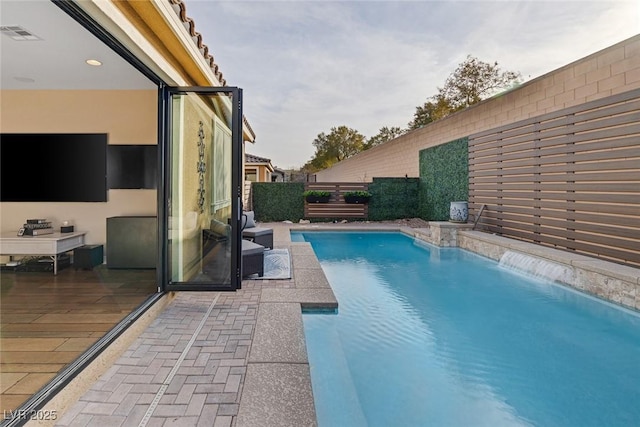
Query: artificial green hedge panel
x=278, y=201
x=444, y=176
x=393, y=198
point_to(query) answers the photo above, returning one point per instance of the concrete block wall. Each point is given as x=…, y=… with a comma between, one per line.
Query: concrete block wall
x=610, y=71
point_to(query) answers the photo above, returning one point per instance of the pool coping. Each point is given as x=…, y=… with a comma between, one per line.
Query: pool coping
x=277, y=389
x=610, y=281
x=607, y=280
x=279, y=343
x=282, y=342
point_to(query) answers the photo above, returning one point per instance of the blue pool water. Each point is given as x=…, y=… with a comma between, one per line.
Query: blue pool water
x=443, y=337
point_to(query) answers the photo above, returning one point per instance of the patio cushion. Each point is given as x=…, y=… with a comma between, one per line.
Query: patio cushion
x=256, y=231
x=250, y=248
x=248, y=219
x=260, y=235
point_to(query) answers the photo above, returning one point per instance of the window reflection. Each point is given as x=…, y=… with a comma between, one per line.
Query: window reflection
x=200, y=190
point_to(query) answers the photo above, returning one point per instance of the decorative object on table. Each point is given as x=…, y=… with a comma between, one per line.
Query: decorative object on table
x=358, y=197
x=37, y=227
x=37, y=221
x=66, y=227
x=459, y=212
x=316, y=196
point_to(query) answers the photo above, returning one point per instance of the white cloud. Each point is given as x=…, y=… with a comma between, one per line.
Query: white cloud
x=308, y=66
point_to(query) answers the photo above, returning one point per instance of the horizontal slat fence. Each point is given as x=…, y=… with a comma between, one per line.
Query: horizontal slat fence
x=336, y=207
x=568, y=179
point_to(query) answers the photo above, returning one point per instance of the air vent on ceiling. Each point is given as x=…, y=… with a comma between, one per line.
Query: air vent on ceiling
x=18, y=33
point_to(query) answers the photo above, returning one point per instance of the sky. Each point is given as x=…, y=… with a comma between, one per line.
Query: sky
x=306, y=67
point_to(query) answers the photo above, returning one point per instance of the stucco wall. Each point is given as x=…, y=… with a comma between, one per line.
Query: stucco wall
x=128, y=117
x=610, y=71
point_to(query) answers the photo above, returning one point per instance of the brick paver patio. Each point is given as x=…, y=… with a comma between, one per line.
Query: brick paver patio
x=217, y=358
x=187, y=368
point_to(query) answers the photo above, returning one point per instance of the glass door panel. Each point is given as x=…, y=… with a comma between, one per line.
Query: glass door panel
x=202, y=195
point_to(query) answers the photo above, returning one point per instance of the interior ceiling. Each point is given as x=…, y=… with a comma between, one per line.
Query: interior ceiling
x=56, y=60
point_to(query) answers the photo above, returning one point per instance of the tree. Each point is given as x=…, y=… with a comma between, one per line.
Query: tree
x=384, y=135
x=431, y=111
x=308, y=169
x=469, y=84
x=341, y=143
x=474, y=81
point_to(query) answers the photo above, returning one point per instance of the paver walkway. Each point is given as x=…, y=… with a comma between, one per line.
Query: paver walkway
x=187, y=368
x=218, y=358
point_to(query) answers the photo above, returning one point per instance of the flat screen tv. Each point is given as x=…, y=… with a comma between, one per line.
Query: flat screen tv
x=40, y=167
x=132, y=166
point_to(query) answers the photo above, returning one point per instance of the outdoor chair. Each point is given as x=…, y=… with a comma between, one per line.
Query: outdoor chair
x=260, y=235
x=252, y=258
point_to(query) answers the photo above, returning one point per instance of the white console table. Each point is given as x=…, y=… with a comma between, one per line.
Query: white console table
x=48, y=245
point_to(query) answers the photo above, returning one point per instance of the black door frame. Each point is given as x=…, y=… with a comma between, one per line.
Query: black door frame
x=164, y=94
x=164, y=135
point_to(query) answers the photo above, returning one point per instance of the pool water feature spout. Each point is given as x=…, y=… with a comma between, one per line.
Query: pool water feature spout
x=538, y=268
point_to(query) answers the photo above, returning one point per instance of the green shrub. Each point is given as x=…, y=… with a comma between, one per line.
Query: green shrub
x=393, y=198
x=316, y=193
x=357, y=194
x=444, y=178
x=278, y=201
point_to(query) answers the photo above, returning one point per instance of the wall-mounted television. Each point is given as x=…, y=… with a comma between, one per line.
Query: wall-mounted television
x=39, y=167
x=132, y=166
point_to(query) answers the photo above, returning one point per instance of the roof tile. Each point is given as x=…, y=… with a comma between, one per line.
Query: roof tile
x=181, y=10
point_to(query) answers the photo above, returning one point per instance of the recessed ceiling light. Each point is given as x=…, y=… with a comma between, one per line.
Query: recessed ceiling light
x=93, y=62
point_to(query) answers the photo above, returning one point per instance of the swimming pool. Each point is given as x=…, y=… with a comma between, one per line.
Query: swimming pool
x=442, y=337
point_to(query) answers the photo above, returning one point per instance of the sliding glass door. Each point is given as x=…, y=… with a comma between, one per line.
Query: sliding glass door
x=202, y=196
